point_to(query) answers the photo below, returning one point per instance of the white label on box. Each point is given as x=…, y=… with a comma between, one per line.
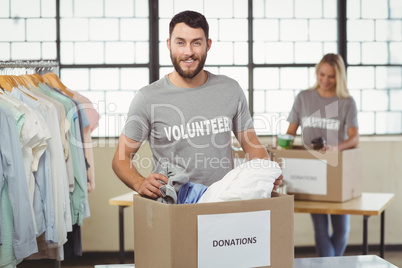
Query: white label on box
x=234, y=240
x=305, y=176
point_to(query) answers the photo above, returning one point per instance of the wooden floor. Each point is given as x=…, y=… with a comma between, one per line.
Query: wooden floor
x=89, y=260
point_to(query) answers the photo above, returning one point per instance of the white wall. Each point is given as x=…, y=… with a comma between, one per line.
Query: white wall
x=382, y=172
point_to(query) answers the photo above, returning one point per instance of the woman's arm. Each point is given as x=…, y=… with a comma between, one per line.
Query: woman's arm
x=351, y=142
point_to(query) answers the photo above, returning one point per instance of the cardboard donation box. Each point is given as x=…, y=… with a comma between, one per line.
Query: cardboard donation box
x=321, y=176
x=248, y=233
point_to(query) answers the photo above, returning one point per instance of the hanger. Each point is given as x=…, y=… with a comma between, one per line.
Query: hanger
x=53, y=80
x=5, y=83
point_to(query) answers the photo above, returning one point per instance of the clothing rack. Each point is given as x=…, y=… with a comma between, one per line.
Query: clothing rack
x=30, y=67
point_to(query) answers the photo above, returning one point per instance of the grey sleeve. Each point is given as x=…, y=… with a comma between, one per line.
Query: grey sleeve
x=294, y=115
x=137, y=125
x=351, y=114
x=242, y=119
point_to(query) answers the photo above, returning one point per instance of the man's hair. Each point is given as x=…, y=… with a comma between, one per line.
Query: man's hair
x=192, y=19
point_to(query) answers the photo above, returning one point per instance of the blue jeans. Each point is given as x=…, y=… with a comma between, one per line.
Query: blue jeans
x=328, y=245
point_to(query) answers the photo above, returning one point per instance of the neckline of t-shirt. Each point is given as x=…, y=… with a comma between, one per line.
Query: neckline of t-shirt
x=326, y=98
x=189, y=88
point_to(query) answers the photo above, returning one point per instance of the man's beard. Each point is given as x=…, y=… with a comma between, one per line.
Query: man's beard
x=188, y=74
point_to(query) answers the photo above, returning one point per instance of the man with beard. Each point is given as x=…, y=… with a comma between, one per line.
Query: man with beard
x=187, y=116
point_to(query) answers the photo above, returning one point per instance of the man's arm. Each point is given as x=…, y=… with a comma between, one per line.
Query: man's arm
x=128, y=173
x=254, y=149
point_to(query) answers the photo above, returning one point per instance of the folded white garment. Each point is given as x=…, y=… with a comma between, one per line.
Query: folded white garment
x=251, y=180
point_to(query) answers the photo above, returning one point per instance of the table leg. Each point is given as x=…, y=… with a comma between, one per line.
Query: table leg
x=121, y=233
x=365, y=242
x=382, y=245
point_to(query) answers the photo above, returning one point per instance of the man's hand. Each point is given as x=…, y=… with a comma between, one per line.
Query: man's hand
x=277, y=183
x=150, y=186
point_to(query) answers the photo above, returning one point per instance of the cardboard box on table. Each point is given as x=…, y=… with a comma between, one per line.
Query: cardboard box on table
x=167, y=236
x=320, y=176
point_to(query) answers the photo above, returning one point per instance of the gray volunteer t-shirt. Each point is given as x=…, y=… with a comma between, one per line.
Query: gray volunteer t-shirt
x=326, y=117
x=190, y=127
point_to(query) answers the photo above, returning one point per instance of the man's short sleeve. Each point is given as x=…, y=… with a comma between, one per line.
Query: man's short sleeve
x=137, y=125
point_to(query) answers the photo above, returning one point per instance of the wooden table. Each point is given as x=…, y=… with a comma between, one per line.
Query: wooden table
x=367, y=261
x=369, y=204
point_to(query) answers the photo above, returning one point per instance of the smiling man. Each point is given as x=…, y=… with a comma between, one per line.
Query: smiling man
x=187, y=116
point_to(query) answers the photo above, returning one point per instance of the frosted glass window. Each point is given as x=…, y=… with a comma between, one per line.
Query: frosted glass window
x=259, y=101
x=67, y=53
x=25, y=51
x=220, y=53
x=366, y=125
x=118, y=101
x=141, y=8
x=134, y=29
x=259, y=55
x=374, y=53
x=25, y=8
x=4, y=51
x=360, y=30
x=240, y=74
x=88, y=8
x=41, y=29
x=119, y=8
x=330, y=47
x=360, y=77
x=323, y=30
x=266, y=78
x=48, y=8
x=74, y=29
x=396, y=9
x=76, y=79
x=279, y=9
x=104, y=79
x=354, y=53
x=330, y=9
x=271, y=123
x=279, y=100
x=66, y=8
x=142, y=52
x=395, y=49
x=181, y=5
x=293, y=30
x=213, y=29
x=258, y=8
x=49, y=50
x=4, y=11
x=396, y=100
x=279, y=52
x=119, y=52
x=89, y=52
x=266, y=30
x=375, y=9
x=103, y=29
x=240, y=9
x=134, y=78
x=353, y=9
x=12, y=30
x=240, y=53
x=308, y=52
x=388, y=123
x=294, y=78
x=218, y=9
x=233, y=30
x=164, y=54
x=388, y=30
x=389, y=77
x=375, y=100
x=308, y=8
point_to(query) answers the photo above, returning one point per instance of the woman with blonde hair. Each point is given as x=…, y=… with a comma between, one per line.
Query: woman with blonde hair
x=327, y=111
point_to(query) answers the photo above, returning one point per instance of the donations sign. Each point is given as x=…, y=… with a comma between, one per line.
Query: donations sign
x=234, y=239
